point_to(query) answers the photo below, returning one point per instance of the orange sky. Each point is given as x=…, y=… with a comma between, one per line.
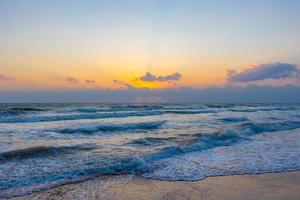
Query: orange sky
x=41, y=48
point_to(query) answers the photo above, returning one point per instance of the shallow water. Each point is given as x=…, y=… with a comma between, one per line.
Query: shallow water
x=46, y=144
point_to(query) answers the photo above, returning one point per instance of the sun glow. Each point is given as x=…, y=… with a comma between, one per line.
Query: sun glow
x=152, y=85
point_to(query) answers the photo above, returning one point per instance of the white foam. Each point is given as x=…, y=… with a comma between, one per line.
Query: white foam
x=264, y=153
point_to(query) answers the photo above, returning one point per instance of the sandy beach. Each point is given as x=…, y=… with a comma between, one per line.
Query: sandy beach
x=245, y=187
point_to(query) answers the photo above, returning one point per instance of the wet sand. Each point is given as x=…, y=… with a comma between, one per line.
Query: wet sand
x=244, y=187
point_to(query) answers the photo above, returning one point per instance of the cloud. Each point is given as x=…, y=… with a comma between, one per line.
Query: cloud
x=274, y=71
x=148, y=77
x=5, y=78
x=71, y=80
x=122, y=83
x=90, y=81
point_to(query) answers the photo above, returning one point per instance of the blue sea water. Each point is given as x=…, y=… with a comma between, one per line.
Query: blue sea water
x=42, y=145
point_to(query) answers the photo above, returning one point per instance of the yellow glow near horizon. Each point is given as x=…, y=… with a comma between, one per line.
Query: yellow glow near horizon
x=44, y=43
x=51, y=73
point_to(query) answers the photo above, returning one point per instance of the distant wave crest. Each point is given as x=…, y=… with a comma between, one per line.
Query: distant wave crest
x=112, y=127
x=49, y=118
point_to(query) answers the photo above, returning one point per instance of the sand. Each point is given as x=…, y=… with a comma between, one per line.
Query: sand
x=281, y=186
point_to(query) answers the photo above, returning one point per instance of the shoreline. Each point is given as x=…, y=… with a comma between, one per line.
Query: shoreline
x=281, y=185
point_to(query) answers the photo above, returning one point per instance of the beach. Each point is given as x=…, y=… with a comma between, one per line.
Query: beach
x=150, y=100
x=285, y=185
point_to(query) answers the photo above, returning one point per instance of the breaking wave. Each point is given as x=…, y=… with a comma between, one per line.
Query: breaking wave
x=223, y=138
x=41, y=151
x=112, y=127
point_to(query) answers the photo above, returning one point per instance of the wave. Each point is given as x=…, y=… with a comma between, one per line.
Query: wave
x=17, y=111
x=41, y=151
x=15, y=115
x=151, y=141
x=142, y=164
x=28, y=109
x=235, y=119
x=78, y=116
x=9, y=113
x=112, y=127
x=243, y=110
x=260, y=155
x=200, y=143
x=114, y=108
x=226, y=137
x=220, y=105
x=114, y=166
x=138, y=106
x=266, y=109
x=87, y=110
x=189, y=111
x=223, y=138
x=272, y=127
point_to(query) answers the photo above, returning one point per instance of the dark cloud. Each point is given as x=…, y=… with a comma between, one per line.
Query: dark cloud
x=148, y=77
x=122, y=83
x=5, y=78
x=265, y=71
x=71, y=80
x=90, y=81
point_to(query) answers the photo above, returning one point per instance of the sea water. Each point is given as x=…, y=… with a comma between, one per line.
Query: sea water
x=42, y=145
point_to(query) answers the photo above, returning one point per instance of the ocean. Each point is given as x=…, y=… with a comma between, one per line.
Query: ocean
x=44, y=145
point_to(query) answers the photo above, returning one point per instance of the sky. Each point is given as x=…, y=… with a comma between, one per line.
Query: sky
x=124, y=46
